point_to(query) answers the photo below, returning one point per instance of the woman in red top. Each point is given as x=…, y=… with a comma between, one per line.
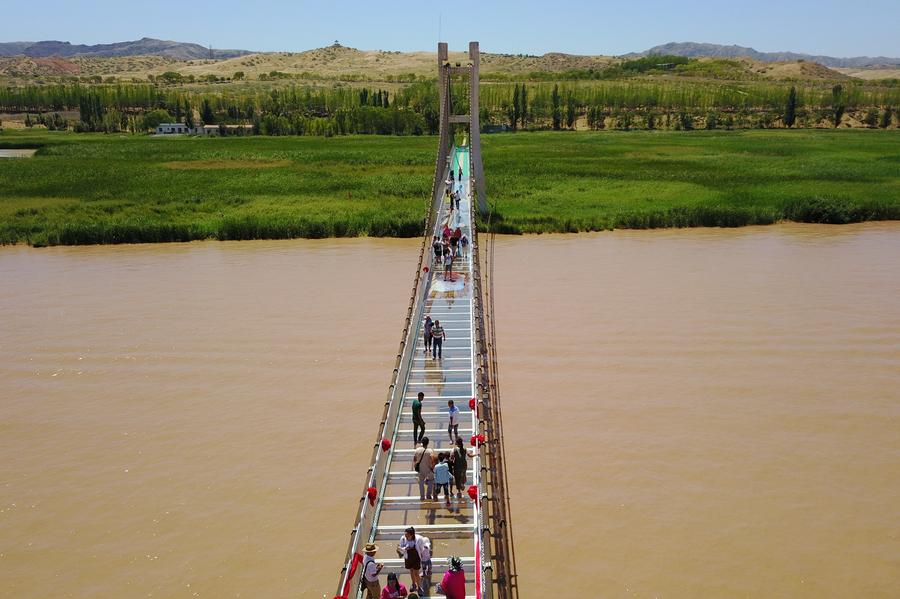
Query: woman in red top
x=453, y=585
x=394, y=588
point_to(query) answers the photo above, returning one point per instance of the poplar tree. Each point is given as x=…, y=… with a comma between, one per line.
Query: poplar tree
x=514, y=118
x=206, y=113
x=570, y=110
x=523, y=105
x=554, y=102
x=837, y=103
x=790, y=111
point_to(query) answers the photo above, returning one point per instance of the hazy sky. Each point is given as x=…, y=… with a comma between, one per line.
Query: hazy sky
x=864, y=27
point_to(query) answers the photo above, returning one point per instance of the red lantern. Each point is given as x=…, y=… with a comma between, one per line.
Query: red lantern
x=385, y=444
x=425, y=269
x=473, y=493
x=472, y=404
x=372, y=494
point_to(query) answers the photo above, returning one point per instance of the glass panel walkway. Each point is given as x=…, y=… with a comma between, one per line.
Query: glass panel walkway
x=453, y=529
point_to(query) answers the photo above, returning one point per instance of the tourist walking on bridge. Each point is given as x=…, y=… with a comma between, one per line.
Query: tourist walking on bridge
x=453, y=585
x=411, y=549
x=457, y=234
x=423, y=463
x=418, y=421
x=460, y=466
x=427, y=332
x=370, y=572
x=454, y=246
x=438, y=248
x=442, y=478
x=453, y=427
x=448, y=265
x=437, y=340
x=425, y=557
x=394, y=588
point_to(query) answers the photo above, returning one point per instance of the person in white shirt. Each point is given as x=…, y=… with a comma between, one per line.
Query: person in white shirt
x=411, y=548
x=426, y=564
x=370, y=572
x=453, y=427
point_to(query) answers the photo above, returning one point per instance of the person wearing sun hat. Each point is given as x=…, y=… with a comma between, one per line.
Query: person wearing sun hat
x=370, y=571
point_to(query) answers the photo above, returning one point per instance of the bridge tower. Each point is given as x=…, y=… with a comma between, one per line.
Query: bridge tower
x=446, y=70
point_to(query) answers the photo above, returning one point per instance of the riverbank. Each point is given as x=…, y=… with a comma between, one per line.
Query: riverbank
x=94, y=188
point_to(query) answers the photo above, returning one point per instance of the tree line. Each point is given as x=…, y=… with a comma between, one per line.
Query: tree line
x=414, y=108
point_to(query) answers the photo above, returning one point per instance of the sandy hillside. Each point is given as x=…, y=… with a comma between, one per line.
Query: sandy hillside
x=322, y=62
x=18, y=67
x=340, y=61
x=799, y=69
x=872, y=73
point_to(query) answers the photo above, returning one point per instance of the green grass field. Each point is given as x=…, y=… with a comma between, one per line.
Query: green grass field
x=94, y=188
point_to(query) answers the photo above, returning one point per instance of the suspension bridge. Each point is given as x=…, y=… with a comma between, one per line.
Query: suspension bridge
x=475, y=527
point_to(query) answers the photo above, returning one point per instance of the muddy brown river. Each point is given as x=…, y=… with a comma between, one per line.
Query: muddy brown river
x=690, y=413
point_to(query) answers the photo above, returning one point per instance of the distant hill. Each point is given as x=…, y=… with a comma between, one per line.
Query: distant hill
x=350, y=64
x=143, y=47
x=696, y=50
x=551, y=62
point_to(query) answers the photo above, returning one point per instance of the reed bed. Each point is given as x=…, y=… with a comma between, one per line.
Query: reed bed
x=93, y=188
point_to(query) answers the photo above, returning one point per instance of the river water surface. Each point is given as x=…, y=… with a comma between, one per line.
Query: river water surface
x=689, y=413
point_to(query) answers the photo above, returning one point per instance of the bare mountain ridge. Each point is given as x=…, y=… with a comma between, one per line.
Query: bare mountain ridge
x=697, y=50
x=337, y=61
x=189, y=51
x=142, y=47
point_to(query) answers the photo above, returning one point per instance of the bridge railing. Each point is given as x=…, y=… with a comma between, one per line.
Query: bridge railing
x=485, y=581
x=380, y=461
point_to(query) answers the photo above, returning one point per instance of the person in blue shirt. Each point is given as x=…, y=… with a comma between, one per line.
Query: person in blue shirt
x=442, y=477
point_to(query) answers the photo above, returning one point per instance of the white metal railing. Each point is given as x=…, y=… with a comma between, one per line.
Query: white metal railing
x=380, y=469
x=381, y=460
